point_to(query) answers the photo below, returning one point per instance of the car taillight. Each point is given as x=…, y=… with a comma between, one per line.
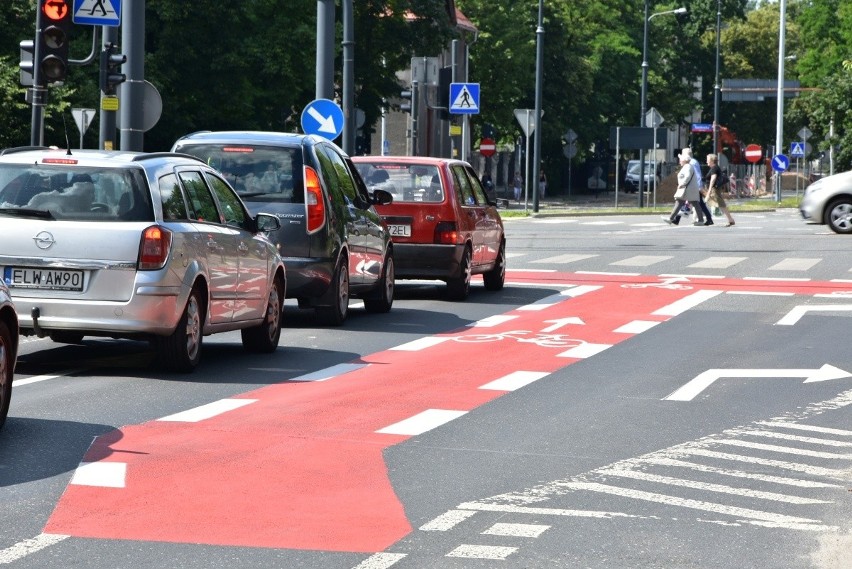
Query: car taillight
x=154, y=248
x=314, y=204
x=446, y=233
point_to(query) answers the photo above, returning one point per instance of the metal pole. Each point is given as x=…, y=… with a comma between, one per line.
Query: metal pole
x=133, y=90
x=348, y=78
x=539, y=34
x=644, y=102
x=108, y=119
x=325, y=50
x=717, y=87
x=38, y=90
x=779, y=118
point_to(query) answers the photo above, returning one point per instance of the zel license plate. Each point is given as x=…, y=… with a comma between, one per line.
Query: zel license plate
x=44, y=279
x=399, y=230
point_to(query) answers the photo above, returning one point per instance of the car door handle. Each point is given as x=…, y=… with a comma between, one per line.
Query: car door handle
x=242, y=247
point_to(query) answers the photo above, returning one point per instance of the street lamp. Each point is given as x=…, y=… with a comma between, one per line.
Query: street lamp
x=645, y=88
x=717, y=86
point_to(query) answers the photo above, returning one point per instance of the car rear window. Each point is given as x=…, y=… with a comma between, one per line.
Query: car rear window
x=75, y=193
x=407, y=182
x=257, y=173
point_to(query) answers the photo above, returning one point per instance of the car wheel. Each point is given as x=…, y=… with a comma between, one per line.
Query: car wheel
x=264, y=337
x=838, y=215
x=182, y=350
x=496, y=277
x=382, y=301
x=335, y=314
x=66, y=337
x=459, y=287
x=7, y=369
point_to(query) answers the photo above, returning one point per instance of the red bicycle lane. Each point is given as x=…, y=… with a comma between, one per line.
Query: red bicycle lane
x=299, y=464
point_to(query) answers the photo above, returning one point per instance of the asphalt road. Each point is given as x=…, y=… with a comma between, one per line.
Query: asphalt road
x=638, y=395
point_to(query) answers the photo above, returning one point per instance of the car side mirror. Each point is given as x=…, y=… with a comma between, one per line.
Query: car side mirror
x=267, y=222
x=382, y=197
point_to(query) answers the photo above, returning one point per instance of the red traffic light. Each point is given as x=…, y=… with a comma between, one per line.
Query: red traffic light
x=55, y=9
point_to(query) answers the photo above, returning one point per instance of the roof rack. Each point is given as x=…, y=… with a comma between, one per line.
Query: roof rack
x=152, y=155
x=21, y=149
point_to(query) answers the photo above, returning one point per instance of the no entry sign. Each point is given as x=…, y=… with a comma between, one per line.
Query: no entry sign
x=753, y=153
x=487, y=147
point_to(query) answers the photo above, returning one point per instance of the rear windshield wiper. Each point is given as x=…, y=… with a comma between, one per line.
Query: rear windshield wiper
x=27, y=212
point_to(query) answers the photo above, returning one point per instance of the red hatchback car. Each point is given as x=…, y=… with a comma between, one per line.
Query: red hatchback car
x=442, y=223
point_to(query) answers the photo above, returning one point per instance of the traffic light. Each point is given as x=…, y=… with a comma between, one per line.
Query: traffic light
x=52, y=35
x=445, y=77
x=111, y=63
x=26, y=65
x=406, y=106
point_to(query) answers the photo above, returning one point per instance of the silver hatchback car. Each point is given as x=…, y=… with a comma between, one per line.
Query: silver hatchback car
x=8, y=350
x=131, y=245
x=828, y=201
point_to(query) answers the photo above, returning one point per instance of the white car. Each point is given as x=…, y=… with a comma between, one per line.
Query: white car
x=8, y=350
x=132, y=245
x=828, y=201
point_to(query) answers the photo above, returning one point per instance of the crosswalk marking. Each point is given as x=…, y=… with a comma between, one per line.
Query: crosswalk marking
x=642, y=260
x=739, y=473
x=802, y=427
x=785, y=450
x=561, y=259
x=794, y=264
x=516, y=530
x=788, y=437
x=717, y=262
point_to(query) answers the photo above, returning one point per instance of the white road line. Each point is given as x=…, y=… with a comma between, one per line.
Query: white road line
x=380, y=561
x=421, y=344
x=739, y=473
x=516, y=530
x=493, y=552
x=584, y=351
x=422, y=422
x=841, y=474
x=801, y=427
x=797, y=312
x=717, y=262
x=28, y=546
x=207, y=411
x=777, y=279
x=608, y=274
x=514, y=380
x=495, y=320
x=580, y=290
x=602, y=223
x=483, y=507
x=794, y=264
x=708, y=487
x=781, y=449
x=562, y=259
x=543, y=303
x=686, y=303
x=46, y=377
x=329, y=372
x=102, y=474
x=780, y=519
x=788, y=437
x=690, y=277
x=642, y=260
x=447, y=520
x=636, y=327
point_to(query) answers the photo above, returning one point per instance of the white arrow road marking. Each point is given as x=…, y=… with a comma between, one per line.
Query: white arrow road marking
x=796, y=313
x=704, y=380
x=557, y=324
x=326, y=123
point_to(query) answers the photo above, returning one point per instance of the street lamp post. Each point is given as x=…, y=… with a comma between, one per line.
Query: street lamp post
x=717, y=86
x=644, y=100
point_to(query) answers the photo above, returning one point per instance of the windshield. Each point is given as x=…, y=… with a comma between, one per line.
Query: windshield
x=74, y=193
x=257, y=173
x=406, y=182
x=634, y=168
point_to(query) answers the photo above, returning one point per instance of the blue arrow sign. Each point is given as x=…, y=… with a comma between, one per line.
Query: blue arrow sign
x=780, y=163
x=324, y=118
x=464, y=98
x=797, y=149
x=97, y=12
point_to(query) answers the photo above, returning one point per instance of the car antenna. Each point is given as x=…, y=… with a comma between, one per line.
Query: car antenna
x=67, y=142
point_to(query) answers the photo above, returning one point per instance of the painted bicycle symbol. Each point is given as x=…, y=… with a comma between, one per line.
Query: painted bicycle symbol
x=525, y=336
x=671, y=283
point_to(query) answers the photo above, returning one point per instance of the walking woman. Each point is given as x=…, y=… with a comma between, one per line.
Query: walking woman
x=687, y=189
x=714, y=192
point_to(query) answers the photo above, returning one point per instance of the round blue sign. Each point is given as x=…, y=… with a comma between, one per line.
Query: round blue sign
x=324, y=118
x=780, y=163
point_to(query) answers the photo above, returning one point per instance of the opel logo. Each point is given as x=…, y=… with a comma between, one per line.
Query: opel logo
x=44, y=240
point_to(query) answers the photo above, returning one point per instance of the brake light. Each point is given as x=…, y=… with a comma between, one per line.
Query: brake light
x=314, y=204
x=446, y=233
x=154, y=248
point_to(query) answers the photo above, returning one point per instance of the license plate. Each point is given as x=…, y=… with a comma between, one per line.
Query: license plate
x=44, y=279
x=399, y=230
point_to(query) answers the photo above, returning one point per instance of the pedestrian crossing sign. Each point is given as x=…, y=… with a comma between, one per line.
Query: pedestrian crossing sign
x=97, y=12
x=464, y=98
x=797, y=149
